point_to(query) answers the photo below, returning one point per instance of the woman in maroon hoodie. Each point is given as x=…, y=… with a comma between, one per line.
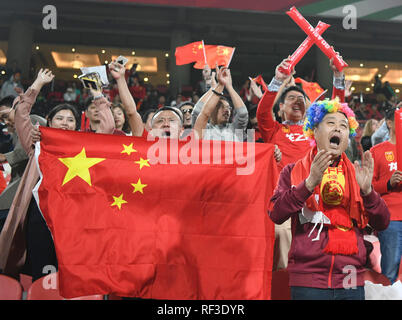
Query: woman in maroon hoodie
x=330, y=201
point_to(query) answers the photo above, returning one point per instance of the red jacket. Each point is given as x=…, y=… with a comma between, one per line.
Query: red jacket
x=385, y=165
x=308, y=265
x=289, y=138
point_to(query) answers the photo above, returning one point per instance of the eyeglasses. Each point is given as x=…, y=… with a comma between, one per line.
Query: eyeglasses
x=294, y=98
x=184, y=111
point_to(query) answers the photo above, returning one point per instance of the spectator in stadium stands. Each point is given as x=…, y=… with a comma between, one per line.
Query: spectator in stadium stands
x=17, y=158
x=176, y=103
x=97, y=116
x=70, y=95
x=205, y=84
x=387, y=181
x=186, y=109
x=39, y=246
x=381, y=134
x=166, y=122
x=137, y=90
x=214, y=107
x=147, y=117
x=120, y=119
x=330, y=201
x=369, y=128
x=388, y=91
x=195, y=97
x=9, y=87
x=288, y=135
x=377, y=85
x=352, y=151
x=6, y=127
x=252, y=114
x=161, y=101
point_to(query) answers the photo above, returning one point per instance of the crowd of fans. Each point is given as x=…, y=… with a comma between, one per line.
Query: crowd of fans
x=213, y=109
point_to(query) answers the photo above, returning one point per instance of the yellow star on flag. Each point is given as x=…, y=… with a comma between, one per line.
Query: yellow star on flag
x=200, y=46
x=128, y=149
x=118, y=201
x=79, y=166
x=143, y=163
x=139, y=186
x=226, y=51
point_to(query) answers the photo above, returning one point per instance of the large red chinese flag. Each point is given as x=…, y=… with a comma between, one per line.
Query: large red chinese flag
x=189, y=53
x=215, y=54
x=312, y=89
x=398, y=134
x=143, y=219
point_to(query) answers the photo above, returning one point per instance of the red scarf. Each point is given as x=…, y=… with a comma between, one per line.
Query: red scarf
x=340, y=202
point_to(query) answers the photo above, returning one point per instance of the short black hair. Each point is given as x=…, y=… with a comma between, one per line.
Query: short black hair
x=7, y=101
x=287, y=90
x=65, y=106
x=146, y=114
x=88, y=101
x=186, y=103
x=390, y=113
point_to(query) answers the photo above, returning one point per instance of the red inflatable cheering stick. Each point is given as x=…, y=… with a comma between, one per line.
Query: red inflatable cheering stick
x=316, y=37
x=303, y=48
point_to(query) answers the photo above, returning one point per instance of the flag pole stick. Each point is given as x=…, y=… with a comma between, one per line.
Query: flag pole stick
x=205, y=55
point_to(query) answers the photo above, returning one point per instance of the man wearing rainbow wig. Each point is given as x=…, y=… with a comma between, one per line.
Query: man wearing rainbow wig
x=330, y=201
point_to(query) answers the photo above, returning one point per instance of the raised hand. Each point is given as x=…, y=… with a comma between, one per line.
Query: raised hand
x=396, y=178
x=280, y=76
x=206, y=73
x=213, y=79
x=35, y=133
x=364, y=173
x=117, y=70
x=348, y=85
x=256, y=90
x=224, y=77
x=277, y=154
x=337, y=73
x=321, y=162
x=44, y=76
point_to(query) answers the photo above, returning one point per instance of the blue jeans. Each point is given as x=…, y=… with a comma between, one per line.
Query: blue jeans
x=306, y=293
x=391, y=250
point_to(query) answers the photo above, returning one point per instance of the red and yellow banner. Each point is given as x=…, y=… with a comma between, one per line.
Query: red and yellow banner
x=133, y=218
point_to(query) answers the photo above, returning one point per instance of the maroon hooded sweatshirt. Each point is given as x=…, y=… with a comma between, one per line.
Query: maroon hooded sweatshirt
x=309, y=265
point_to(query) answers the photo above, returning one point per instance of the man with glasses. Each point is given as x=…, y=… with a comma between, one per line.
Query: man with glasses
x=186, y=108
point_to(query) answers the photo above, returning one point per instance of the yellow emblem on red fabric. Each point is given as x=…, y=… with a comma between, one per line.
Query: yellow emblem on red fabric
x=389, y=155
x=333, y=186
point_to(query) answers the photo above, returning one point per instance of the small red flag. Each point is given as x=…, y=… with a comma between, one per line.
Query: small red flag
x=126, y=224
x=189, y=53
x=216, y=54
x=261, y=82
x=312, y=89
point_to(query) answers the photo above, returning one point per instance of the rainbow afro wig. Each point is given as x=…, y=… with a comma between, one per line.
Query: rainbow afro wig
x=318, y=110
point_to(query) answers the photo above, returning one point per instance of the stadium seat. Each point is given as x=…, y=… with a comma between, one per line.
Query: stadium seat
x=26, y=281
x=43, y=289
x=280, y=289
x=10, y=289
